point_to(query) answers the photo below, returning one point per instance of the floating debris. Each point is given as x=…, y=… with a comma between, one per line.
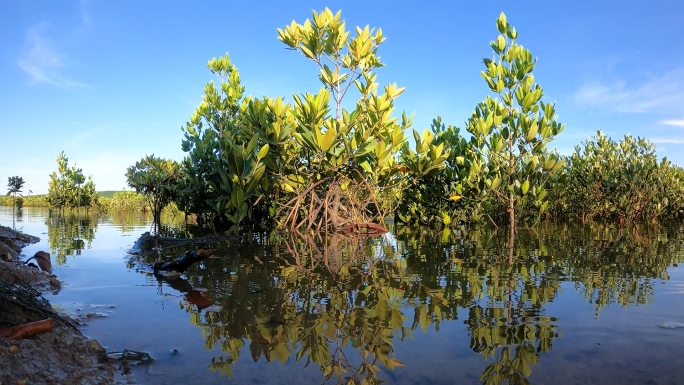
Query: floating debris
x=671, y=325
x=132, y=355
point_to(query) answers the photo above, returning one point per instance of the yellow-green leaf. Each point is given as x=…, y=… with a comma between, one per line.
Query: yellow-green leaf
x=328, y=138
x=525, y=187
x=366, y=166
x=532, y=132
x=263, y=151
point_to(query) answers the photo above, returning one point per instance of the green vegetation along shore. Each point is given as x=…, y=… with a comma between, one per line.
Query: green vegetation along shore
x=314, y=165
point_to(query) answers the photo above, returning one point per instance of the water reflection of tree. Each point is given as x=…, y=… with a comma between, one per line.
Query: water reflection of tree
x=513, y=338
x=506, y=316
x=337, y=302
x=128, y=221
x=327, y=302
x=617, y=264
x=69, y=233
x=505, y=301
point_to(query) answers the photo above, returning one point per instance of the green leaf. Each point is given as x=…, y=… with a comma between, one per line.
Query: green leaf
x=265, y=333
x=263, y=151
x=367, y=147
x=255, y=180
x=446, y=219
x=237, y=197
x=532, y=132
x=525, y=187
x=364, y=165
x=329, y=138
x=501, y=42
x=282, y=352
x=287, y=187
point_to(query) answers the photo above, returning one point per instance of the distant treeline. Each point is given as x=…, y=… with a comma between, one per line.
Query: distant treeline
x=106, y=201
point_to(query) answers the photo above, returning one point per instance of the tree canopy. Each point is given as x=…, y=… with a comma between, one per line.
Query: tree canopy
x=69, y=188
x=339, y=158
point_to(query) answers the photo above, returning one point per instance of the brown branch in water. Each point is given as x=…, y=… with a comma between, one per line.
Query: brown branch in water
x=373, y=229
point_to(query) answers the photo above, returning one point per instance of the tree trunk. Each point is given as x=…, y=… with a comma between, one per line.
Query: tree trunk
x=511, y=196
x=511, y=219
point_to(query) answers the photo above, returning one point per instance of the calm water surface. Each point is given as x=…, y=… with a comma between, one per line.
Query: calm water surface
x=579, y=305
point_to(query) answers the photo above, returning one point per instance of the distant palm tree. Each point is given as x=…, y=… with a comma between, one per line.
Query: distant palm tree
x=14, y=185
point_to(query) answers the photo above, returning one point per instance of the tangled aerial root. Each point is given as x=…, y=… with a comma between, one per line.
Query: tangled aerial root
x=21, y=303
x=326, y=206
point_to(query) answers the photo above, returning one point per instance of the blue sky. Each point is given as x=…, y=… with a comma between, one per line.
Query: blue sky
x=111, y=81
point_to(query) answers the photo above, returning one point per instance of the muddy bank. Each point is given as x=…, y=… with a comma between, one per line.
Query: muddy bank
x=60, y=356
x=11, y=243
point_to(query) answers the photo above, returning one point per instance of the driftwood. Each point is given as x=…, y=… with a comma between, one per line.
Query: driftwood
x=133, y=355
x=27, y=330
x=183, y=263
x=148, y=243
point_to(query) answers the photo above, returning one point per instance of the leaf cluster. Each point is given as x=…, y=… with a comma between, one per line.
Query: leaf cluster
x=156, y=179
x=69, y=188
x=312, y=164
x=505, y=165
x=623, y=181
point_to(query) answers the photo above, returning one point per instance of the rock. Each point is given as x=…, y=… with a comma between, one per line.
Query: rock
x=16, y=238
x=11, y=244
x=6, y=250
x=94, y=345
x=213, y=308
x=96, y=315
x=13, y=349
x=43, y=260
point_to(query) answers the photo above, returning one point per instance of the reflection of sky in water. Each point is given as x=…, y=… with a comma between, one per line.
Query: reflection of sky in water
x=605, y=343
